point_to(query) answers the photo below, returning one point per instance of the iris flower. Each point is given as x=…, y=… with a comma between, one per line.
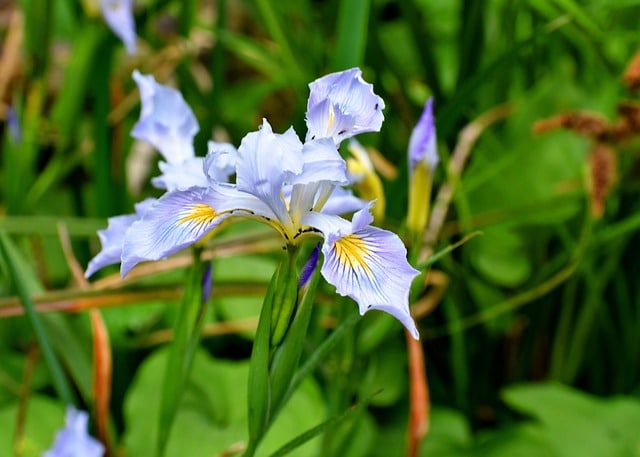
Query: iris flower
x=168, y=123
x=422, y=143
x=423, y=159
x=73, y=440
x=295, y=188
x=118, y=14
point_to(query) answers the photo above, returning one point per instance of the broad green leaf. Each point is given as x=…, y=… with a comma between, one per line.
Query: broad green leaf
x=575, y=423
x=212, y=415
x=44, y=417
x=502, y=257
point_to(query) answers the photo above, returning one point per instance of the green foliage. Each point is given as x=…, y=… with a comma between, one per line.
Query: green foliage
x=546, y=291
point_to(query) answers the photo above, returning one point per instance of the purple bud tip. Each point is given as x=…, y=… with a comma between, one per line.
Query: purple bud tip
x=309, y=267
x=207, y=282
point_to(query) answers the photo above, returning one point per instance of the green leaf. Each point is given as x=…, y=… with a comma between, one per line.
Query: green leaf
x=353, y=19
x=575, y=423
x=288, y=354
x=501, y=256
x=259, y=395
x=212, y=415
x=187, y=331
x=24, y=283
x=43, y=418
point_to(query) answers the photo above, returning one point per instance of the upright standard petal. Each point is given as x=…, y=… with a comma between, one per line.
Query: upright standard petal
x=342, y=105
x=118, y=14
x=73, y=440
x=267, y=161
x=112, y=238
x=367, y=264
x=423, y=142
x=166, y=121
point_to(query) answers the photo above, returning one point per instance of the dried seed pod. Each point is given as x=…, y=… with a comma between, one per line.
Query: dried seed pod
x=603, y=164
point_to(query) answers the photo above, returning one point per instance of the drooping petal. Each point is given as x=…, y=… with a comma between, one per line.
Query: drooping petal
x=112, y=238
x=423, y=142
x=118, y=14
x=368, y=264
x=266, y=161
x=181, y=176
x=73, y=440
x=166, y=121
x=181, y=218
x=352, y=106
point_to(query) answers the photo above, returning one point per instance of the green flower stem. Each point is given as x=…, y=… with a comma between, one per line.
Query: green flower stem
x=187, y=331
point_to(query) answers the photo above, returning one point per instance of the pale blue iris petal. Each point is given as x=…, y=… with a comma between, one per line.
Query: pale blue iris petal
x=266, y=161
x=322, y=162
x=170, y=224
x=220, y=162
x=166, y=121
x=385, y=286
x=384, y=281
x=166, y=228
x=423, y=142
x=350, y=95
x=73, y=440
x=112, y=238
x=326, y=120
x=118, y=14
x=181, y=176
x=342, y=201
x=362, y=218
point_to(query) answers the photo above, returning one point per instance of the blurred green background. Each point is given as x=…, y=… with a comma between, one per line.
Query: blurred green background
x=532, y=347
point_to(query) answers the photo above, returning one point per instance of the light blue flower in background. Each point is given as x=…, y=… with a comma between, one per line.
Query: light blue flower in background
x=423, y=142
x=73, y=440
x=182, y=169
x=118, y=14
x=342, y=105
x=166, y=120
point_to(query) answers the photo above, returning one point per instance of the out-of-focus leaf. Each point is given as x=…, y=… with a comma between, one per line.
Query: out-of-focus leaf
x=213, y=412
x=501, y=257
x=239, y=268
x=44, y=417
x=575, y=423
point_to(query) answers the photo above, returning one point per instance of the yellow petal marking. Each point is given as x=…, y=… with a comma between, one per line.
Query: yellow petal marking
x=332, y=117
x=352, y=251
x=199, y=214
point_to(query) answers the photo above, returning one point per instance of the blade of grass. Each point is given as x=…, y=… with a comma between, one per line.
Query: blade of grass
x=11, y=257
x=353, y=19
x=272, y=24
x=318, y=429
x=186, y=337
